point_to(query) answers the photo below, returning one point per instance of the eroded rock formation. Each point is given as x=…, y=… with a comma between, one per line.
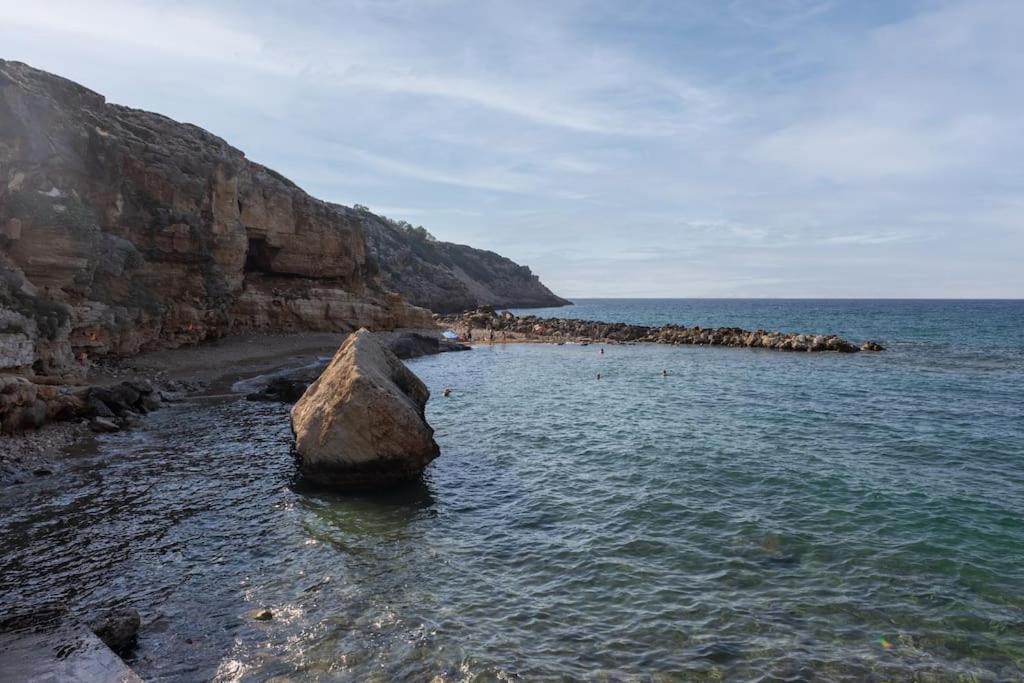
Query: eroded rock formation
x=361, y=424
x=122, y=230
x=446, y=277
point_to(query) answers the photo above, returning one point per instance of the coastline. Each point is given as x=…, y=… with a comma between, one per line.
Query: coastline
x=488, y=326
x=203, y=369
x=754, y=410
x=214, y=366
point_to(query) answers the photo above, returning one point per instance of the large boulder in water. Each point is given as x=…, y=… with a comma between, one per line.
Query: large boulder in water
x=361, y=425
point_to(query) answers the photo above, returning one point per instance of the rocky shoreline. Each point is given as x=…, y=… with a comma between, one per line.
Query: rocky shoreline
x=488, y=325
x=39, y=422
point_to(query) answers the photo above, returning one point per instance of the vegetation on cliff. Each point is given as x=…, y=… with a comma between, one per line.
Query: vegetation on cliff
x=447, y=277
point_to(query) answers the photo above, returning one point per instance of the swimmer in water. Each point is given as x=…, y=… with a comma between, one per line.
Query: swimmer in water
x=602, y=352
x=664, y=373
x=446, y=392
x=599, y=375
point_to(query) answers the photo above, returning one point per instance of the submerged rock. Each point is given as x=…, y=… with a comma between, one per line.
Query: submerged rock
x=118, y=629
x=361, y=425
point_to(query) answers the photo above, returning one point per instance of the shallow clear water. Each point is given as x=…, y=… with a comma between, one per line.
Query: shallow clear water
x=754, y=515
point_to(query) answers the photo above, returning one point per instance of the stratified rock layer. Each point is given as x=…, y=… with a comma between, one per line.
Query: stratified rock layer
x=122, y=230
x=361, y=425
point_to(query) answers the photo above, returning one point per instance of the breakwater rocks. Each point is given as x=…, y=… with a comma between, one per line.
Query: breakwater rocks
x=508, y=327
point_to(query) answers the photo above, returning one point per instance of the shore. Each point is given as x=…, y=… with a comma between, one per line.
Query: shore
x=213, y=366
x=208, y=367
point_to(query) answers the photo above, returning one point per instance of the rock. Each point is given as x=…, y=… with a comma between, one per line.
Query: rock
x=110, y=397
x=446, y=277
x=287, y=386
x=118, y=628
x=414, y=345
x=283, y=389
x=122, y=229
x=98, y=408
x=262, y=615
x=130, y=420
x=361, y=425
x=103, y=425
x=558, y=329
x=871, y=346
x=150, y=402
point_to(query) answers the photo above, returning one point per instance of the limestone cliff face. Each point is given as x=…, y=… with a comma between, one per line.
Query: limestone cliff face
x=449, y=278
x=122, y=230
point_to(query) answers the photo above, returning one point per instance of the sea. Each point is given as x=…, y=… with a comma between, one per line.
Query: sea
x=696, y=514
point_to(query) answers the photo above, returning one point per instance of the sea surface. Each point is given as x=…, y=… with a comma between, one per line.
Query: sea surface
x=753, y=515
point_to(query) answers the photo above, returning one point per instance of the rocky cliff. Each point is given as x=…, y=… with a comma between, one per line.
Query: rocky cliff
x=122, y=230
x=446, y=277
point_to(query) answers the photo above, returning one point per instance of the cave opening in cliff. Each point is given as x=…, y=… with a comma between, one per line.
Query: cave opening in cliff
x=259, y=257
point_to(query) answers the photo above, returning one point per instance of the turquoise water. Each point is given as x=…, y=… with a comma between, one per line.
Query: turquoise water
x=754, y=515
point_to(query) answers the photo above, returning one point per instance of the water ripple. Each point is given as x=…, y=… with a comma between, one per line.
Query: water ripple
x=750, y=517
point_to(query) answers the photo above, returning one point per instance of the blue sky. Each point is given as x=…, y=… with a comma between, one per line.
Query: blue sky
x=798, y=148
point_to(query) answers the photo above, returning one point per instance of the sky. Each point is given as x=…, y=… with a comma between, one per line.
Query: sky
x=718, y=148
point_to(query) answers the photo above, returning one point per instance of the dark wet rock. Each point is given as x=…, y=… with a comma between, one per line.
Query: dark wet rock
x=130, y=420
x=103, y=425
x=98, y=408
x=871, y=346
x=781, y=560
x=415, y=344
x=150, y=402
x=283, y=389
x=287, y=386
x=718, y=652
x=118, y=628
x=143, y=386
x=262, y=615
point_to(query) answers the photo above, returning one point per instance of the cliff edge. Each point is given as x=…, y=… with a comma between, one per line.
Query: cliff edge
x=122, y=230
x=446, y=277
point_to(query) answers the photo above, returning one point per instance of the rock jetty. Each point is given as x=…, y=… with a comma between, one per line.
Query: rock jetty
x=361, y=425
x=508, y=327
